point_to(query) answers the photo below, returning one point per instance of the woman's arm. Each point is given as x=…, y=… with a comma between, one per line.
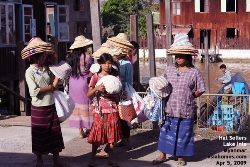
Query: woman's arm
x=92, y=90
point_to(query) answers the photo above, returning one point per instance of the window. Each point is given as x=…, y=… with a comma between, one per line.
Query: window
x=29, y=26
x=7, y=24
x=232, y=33
x=80, y=27
x=79, y=5
x=176, y=8
x=201, y=6
x=247, y=5
x=228, y=5
x=63, y=23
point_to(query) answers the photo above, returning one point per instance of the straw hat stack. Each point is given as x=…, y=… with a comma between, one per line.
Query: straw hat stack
x=120, y=42
x=81, y=41
x=106, y=48
x=181, y=45
x=37, y=45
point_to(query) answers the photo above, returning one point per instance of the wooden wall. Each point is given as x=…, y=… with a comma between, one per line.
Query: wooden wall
x=215, y=20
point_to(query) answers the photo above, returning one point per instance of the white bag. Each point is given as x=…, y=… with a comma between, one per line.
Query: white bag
x=64, y=105
x=138, y=103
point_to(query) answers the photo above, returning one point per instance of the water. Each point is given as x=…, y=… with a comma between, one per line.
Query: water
x=214, y=72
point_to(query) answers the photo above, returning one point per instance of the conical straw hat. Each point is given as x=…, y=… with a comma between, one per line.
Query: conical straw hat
x=37, y=45
x=80, y=42
x=105, y=48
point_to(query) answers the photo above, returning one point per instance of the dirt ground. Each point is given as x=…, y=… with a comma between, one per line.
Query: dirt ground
x=15, y=148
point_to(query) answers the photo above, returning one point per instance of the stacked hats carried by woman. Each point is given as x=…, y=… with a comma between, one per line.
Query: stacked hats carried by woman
x=181, y=45
x=121, y=42
x=37, y=45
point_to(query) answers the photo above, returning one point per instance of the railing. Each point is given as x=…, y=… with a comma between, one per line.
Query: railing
x=212, y=115
x=16, y=95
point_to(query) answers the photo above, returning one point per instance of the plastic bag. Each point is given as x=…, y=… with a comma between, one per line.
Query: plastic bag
x=64, y=105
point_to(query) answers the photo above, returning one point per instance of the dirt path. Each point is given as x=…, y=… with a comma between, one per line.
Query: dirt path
x=15, y=148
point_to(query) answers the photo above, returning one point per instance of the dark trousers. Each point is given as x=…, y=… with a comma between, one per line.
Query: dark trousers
x=125, y=129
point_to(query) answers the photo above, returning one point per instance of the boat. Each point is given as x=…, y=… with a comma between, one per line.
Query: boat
x=232, y=117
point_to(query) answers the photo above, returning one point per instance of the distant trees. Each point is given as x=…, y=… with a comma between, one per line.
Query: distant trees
x=116, y=14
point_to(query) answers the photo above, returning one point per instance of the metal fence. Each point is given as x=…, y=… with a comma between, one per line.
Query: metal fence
x=212, y=115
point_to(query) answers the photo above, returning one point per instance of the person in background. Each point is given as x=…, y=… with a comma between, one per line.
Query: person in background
x=186, y=83
x=45, y=127
x=132, y=57
x=126, y=75
x=80, y=63
x=106, y=126
x=225, y=80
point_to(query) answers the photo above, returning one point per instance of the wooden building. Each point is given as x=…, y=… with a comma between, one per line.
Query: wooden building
x=55, y=21
x=226, y=21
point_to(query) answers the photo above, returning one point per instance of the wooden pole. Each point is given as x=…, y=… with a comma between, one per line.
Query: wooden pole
x=168, y=30
x=151, y=49
x=54, y=59
x=134, y=37
x=22, y=84
x=96, y=24
x=206, y=60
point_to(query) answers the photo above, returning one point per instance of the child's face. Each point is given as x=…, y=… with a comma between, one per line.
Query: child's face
x=106, y=66
x=223, y=69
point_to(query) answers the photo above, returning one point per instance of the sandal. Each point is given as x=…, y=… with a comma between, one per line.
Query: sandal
x=158, y=161
x=61, y=165
x=101, y=155
x=181, y=162
x=39, y=165
x=91, y=164
x=113, y=164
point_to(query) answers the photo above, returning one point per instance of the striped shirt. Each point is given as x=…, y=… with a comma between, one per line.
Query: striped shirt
x=181, y=103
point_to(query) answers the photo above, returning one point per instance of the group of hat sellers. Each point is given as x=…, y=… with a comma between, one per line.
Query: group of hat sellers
x=101, y=85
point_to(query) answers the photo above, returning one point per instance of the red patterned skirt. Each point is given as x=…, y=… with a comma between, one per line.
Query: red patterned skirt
x=105, y=129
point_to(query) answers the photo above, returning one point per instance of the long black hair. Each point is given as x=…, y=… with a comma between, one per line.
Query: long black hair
x=189, y=62
x=73, y=60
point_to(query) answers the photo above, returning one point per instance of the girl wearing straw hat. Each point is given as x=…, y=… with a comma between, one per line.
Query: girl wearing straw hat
x=186, y=82
x=45, y=127
x=78, y=87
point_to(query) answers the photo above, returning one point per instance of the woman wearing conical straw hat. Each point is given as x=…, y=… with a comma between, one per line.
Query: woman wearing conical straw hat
x=186, y=83
x=45, y=127
x=80, y=62
x=121, y=43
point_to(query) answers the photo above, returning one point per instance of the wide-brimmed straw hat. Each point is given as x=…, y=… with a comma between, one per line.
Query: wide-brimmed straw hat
x=121, y=43
x=105, y=48
x=80, y=42
x=37, y=45
x=159, y=85
x=62, y=70
x=181, y=45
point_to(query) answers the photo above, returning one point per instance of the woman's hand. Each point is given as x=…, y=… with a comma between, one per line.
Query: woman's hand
x=100, y=87
x=55, y=82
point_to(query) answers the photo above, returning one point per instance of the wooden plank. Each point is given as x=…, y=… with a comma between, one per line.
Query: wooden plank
x=22, y=84
x=134, y=37
x=168, y=30
x=207, y=61
x=96, y=24
x=151, y=49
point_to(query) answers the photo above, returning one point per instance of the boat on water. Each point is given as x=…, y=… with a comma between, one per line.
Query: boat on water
x=230, y=117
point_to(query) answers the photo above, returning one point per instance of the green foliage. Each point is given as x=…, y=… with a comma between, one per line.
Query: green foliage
x=116, y=14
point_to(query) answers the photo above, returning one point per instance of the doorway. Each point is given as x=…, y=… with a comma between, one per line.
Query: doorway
x=202, y=36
